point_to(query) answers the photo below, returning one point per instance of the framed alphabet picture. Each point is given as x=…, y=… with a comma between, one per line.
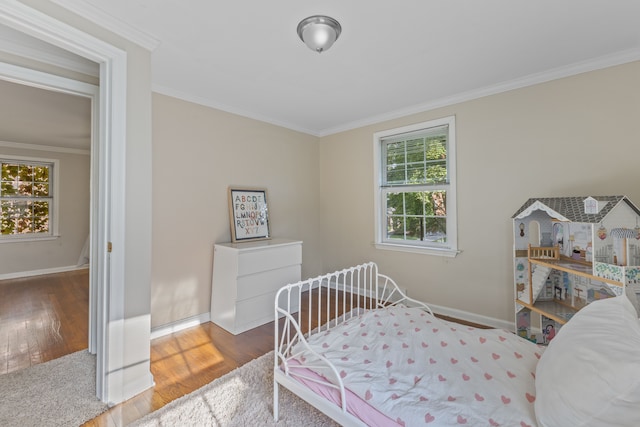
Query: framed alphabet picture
x=248, y=214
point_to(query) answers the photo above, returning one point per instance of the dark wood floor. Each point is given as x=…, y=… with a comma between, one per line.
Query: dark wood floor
x=42, y=318
x=46, y=317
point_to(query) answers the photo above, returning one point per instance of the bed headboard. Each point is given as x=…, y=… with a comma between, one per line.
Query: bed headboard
x=323, y=302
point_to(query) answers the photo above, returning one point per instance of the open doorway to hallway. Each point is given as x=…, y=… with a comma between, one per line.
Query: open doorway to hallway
x=47, y=119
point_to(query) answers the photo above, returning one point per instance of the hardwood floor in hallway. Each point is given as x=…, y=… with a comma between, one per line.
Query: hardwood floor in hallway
x=42, y=318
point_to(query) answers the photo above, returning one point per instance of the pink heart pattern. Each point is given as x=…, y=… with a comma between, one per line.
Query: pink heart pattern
x=465, y=367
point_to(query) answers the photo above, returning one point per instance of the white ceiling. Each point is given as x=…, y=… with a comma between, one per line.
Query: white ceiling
x=392, y=58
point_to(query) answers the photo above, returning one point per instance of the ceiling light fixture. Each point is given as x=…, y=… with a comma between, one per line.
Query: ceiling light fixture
x=319, y=32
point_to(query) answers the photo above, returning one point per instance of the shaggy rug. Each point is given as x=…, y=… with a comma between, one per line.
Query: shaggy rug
x=243, y=397
x=61, y=392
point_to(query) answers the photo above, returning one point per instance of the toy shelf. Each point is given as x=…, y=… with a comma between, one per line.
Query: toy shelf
x=569, y=265
x=552, y=309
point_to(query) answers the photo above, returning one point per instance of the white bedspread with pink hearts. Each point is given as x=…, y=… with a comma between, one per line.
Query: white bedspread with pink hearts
x=421, y=370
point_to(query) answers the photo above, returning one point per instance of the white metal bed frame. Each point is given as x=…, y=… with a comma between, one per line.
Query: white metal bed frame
x=354, y=289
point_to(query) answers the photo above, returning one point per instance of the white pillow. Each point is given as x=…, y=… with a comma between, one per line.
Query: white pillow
x=590, y=373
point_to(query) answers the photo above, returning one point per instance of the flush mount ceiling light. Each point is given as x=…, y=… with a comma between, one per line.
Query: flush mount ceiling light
x=319, y=32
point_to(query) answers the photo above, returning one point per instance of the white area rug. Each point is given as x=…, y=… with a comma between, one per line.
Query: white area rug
x=61, y=392
x=243, y=397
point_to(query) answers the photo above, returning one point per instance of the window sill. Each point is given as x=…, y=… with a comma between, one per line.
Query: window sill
x=449, y=253
x=27, y=239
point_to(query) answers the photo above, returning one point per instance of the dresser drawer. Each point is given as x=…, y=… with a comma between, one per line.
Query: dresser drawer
x=246, y=278
x=260, y=260
x=257, y=311
x=266, y=281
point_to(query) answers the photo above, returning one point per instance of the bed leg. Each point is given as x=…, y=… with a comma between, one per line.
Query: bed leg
x=275, y=401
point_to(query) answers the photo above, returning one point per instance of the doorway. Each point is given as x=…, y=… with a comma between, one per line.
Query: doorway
x=108, y=205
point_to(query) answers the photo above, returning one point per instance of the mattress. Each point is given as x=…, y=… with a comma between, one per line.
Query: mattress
x=404, y=365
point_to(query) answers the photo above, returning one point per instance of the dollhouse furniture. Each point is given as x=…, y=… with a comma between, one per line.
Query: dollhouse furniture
x=246, y=277
x=568, y=252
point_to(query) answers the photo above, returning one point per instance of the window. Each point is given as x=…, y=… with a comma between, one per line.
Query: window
x=415, y=188
x=26, y=198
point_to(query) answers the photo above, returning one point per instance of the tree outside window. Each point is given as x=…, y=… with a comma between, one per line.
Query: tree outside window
x=25, y=198
x=416, y=190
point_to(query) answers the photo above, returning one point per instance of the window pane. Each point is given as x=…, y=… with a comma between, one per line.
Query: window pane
x=435, y=230
x=435, y=203
x=417, y=215
x=415, y=150
x=7, y=215
x=396, y=174
x=25, y=198
x=395, y=203
x=418, y=160
x=25, y=188
x=25, y=173
x=40, y=224
x=395, y=227
x=41, y=174
x=415, y=173
x=40, y=189
x=9, y=189
x=9, y=172
x=395, y=153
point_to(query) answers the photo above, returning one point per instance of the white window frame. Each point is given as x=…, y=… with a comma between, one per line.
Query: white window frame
x=53, y=209
x=451, y=248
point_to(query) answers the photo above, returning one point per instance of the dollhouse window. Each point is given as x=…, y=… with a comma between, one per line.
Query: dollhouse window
x=415, y=188
x=591, y=206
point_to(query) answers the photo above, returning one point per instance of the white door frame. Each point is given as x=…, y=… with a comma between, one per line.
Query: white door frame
x=108, y=163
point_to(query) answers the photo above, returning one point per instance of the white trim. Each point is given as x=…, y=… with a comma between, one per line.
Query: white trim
x=451, y=248
x=38, y=147
x=55, y=199
x=606, y=61
x=28, y=238
x=104, y=20
x=52, y=270
x=472, y=317
x=180, y=325
x=42, y=80
x=538, y=205
x=418, y=249
x=108, y=219
x=43, y=54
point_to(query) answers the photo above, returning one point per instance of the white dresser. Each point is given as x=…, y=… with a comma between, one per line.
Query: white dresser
x=246, y=277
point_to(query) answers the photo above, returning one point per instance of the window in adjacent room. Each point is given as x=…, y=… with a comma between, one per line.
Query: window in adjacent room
x=415, y=188
x=27, y=198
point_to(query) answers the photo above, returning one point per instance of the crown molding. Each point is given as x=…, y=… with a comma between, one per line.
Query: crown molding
x=49, y=148
x=25, y=47
x=206, y=102
x=103, y=19
x=599, y=63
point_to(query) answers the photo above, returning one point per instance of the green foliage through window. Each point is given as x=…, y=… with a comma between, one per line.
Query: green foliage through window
x=25, y=198
x=415, y=180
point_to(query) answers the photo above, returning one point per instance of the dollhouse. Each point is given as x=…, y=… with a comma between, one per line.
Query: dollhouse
x=568, y=252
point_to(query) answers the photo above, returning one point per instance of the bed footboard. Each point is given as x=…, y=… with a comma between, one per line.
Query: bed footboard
x=316, y=305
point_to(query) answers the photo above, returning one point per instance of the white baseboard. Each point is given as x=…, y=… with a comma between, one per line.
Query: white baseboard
x=472, y=317
x=179, y=325
x=21, y=274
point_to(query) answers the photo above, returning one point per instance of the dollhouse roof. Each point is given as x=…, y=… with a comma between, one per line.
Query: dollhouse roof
x=572, y=208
